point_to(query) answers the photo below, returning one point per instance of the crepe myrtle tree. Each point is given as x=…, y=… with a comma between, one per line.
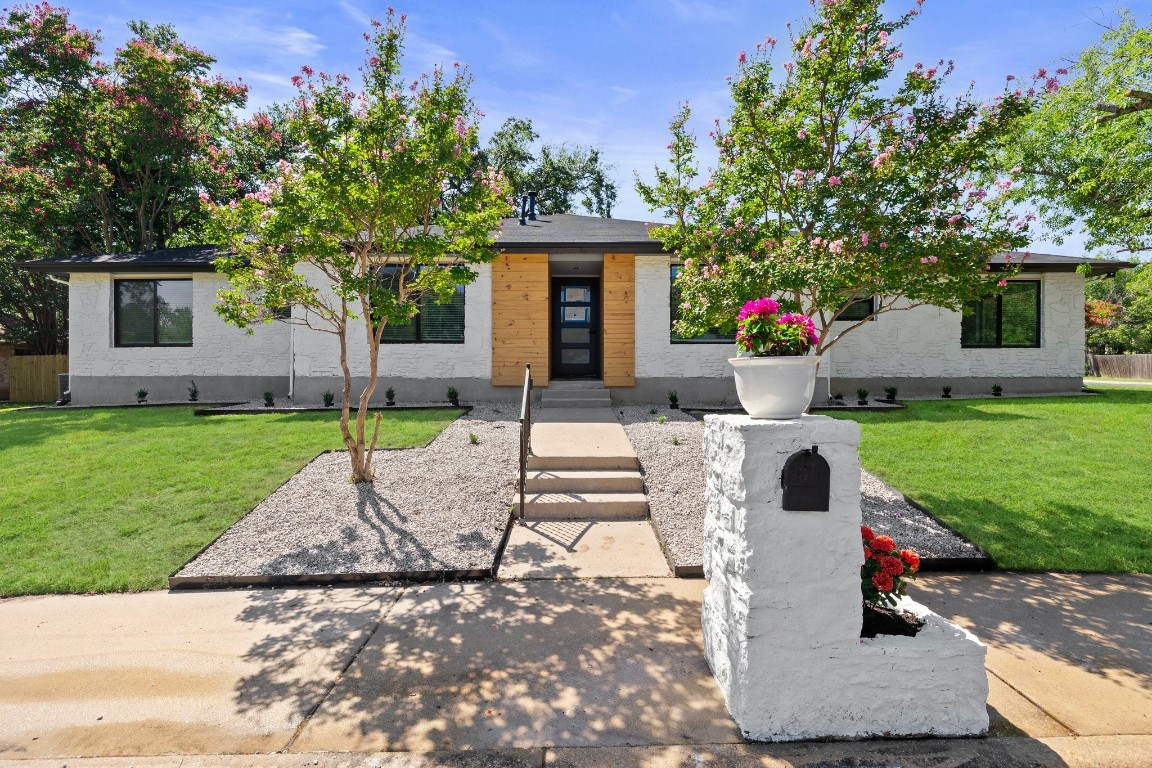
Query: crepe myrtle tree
x=352, y=233
x=838, y=179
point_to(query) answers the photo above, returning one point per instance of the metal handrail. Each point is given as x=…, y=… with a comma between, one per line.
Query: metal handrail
x=525, y=432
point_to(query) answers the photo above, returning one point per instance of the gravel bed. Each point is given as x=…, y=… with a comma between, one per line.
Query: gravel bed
x=442, y=507
x=675, y=480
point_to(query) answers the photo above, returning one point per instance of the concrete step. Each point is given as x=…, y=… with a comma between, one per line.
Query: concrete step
x=585, y=506
x=585, y=384
x=603, y=463
x=584, y=481
x=576, y=398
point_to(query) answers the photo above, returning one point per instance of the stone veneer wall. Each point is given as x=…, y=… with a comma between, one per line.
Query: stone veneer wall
x=782, y=613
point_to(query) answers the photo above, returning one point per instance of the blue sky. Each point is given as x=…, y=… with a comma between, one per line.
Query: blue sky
x=608, y=74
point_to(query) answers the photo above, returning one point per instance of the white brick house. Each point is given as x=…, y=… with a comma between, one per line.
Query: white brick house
x=576, y=296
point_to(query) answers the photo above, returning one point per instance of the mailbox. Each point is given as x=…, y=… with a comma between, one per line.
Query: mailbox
x=805, y=480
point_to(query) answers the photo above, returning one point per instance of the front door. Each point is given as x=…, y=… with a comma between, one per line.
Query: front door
x=575, y=328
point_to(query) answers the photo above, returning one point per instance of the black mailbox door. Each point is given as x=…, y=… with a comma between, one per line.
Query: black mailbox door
x=805, y=480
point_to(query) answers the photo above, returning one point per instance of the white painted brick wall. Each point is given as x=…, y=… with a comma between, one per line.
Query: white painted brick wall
x=781, y=613
x=656, y=356
x=924, y=341
x=318, y=353
x=218, y=349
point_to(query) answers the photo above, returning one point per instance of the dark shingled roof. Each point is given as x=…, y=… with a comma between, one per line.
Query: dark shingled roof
x=569, y=232
x=191, y=258
x=560, y=233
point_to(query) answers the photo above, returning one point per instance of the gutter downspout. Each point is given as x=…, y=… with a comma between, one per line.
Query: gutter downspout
x=291, y=359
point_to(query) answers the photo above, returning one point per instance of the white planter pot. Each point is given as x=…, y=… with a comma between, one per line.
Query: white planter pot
x=775, y=387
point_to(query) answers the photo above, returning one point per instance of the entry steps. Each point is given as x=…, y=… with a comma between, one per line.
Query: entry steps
x=589, y=492
x=582, y=465
x=576, y=394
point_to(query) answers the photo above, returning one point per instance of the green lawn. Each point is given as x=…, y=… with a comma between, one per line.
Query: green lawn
x=115, y=499
x=1056, y=484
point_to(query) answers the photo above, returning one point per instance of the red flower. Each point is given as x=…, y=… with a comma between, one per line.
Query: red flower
x=884, y=543
x=866, y=532
x=911, y=558
x=892, y=565
x=882, y=581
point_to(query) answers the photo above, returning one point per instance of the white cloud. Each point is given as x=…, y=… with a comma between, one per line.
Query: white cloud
x=355, y=13
x=696, y=10
x=623, y=94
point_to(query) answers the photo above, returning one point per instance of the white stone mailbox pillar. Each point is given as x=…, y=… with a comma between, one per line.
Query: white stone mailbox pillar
x=782, y=610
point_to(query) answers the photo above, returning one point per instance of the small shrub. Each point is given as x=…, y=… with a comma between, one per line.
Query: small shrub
x=675, y=440
x=390, y=396
x=141, y=395
x=838, y=396
x=329, y=398
x=269, y=399
x=997, y=390
x=661, y=419
x=890, y=392
x=673, y=399
x=652, y=411
x=473, y=438
x=862, y=396
x=193, y=391
x=453, y=395
x=947, y=391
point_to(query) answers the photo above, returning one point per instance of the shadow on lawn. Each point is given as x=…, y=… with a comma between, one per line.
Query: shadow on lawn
x=1073, y=535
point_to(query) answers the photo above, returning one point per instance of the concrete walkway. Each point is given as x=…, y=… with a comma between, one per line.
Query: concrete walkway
x=561, y=673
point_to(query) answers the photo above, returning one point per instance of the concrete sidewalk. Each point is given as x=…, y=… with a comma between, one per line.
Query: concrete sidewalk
x=561, y=673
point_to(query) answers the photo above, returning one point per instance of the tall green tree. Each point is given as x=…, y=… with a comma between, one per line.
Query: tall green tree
x=565, y=177
x=101, y=157
x=1080, y=169
x=45, y=67
x=1118, y=316
x=840, y=178
x=359, y=227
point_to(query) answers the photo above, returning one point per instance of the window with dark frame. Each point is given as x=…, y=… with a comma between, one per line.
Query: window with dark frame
x=859, y=309
x=1009, y=319
x=153, y=313
x=434, y=324
x=714, y=336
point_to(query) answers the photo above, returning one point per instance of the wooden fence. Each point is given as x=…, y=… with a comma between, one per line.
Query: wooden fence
x=1120, y=366
x=32, y=378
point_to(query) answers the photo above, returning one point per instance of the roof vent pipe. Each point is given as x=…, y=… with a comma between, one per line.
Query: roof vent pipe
x=532, y=206
x=524, y=210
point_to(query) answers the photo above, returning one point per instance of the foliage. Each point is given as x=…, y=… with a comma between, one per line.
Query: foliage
x=838, y=179
x=353, y=230
x=563, y=176
x=1088, y=174
x=103, y=157
x=884, y=575
x=1118, y=313
x=763, y=331
x=1073, y=510
x=147, y=488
